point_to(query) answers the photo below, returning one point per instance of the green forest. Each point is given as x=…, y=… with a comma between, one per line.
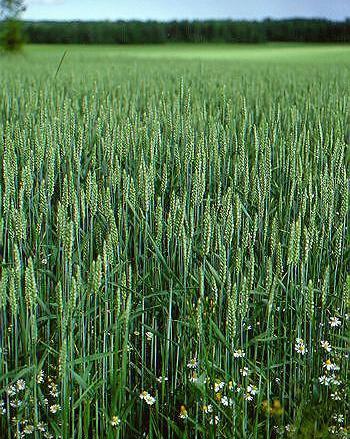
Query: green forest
x=228, y=31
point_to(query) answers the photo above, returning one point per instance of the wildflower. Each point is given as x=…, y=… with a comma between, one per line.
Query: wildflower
x=41, y=427
x=336, y=396
x=150, y=400
x=40, y=377
x=329, y=365
x=143, y=394
x=333, y=380
x=239, y=388
x=11, y=391
x=21, y=385
x=162, y=379
x=219, y=385
x=253, y=390
x=224, y=401
x=149, y=336
x=324, y=380
x=230, y=385
x=301, y=349
x=215, y=420
x=248, y=396
x=136, y=333
x=289, y=428
x=28, y=429
x=194, y=378
x=53, y=389
x=339, y=418
x=192, y=363
x=208, y=408
x=218, y=396
x=244, y=371
x=183, y=412
x=332, y=429
x=115, y=421
x=16, y=404
x=326, y=345
x=334, y=322
x=55, y=408
x=300, y=346
x=2, y=408
x=239, y=353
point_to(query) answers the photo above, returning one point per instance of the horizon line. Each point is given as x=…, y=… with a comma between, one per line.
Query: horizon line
x=179, y=20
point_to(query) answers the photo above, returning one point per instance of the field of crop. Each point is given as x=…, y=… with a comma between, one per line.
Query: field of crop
x=174, y=242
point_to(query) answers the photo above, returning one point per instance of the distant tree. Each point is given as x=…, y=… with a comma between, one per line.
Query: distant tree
x=11, y=36
x=228, y=31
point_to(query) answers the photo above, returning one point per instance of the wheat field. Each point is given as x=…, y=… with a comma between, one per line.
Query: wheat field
x=174, y=242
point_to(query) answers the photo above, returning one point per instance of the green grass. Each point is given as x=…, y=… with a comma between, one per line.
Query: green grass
x=164, y=208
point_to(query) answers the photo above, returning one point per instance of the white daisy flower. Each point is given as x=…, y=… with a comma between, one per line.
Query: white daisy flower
x=300, y=348
x=11, y=391
x=326, y=345
x=324, y=380
x=339, y=418
x=193, y=378
x=336, y=396
x=115, y=421
x=244, y=371
x=248, y=396
x=55, y=408
x=334, y=322
x=162, y=379
x=239, y=353
x=224, y=401
x=41, y=426
x=21, y=385
x=40, y=377
x=329, y=365
x=192, y=364
x=28, y=429
x=149, y=399
x=333, y=380
x=253, y=390
x=2, y=408
x=208, y=408
x=215, y=420
x=219, y=386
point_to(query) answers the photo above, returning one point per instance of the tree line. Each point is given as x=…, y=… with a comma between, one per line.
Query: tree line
x=226, y=31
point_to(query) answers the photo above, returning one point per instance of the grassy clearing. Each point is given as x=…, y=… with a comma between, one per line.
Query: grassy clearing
x=174, y=239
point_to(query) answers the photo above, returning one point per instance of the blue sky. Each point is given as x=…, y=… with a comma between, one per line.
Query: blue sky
x=184, y=9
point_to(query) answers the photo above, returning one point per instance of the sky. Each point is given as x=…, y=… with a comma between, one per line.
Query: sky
x=184, y=9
